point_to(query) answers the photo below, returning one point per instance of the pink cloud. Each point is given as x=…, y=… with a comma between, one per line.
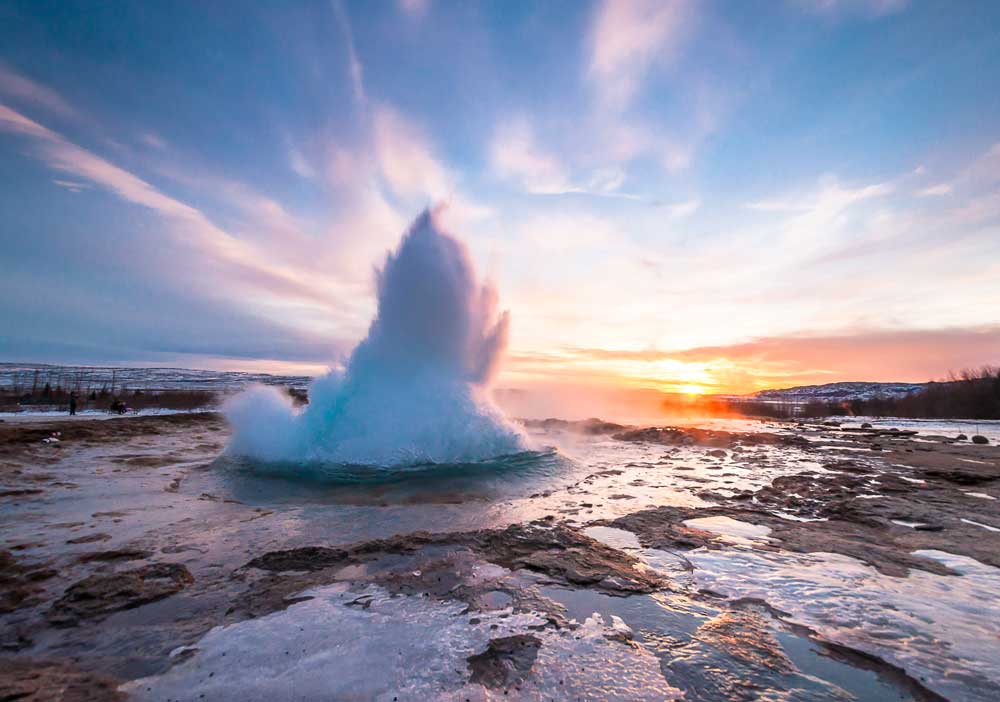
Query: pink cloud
x=515, y=155
x=414, y=8
x=18, y=87
x=627, y=37
x=405, y=158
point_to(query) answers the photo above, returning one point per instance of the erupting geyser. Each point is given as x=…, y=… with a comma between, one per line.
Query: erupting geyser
x=416, y=390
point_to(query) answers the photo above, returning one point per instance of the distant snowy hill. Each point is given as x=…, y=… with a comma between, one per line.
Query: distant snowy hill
x=837, y=392
x=24, y=376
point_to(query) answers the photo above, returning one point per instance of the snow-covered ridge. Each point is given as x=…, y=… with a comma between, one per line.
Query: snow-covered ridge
x=841, y=391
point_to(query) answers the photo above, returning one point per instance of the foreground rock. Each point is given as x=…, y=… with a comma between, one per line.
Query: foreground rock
x=432, y=565
x=505, y=662
x=20, y=585
x=99, y=595
x=693, y=436
x=562, y=553
x=54, y=681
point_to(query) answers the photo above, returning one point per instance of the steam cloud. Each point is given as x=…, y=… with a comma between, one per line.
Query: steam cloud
x=415, y=390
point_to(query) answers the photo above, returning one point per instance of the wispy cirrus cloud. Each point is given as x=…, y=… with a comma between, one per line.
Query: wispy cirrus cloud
x=627, y=38
x=681, y=210
x=354, y=67
x=72, y=185
x=193, y=226
x=300, y=165
x=65, y=156
x=153, y=140
x=414, y=8
x=17, y=87
x=936, y=190
x=829, y=216
x=631, y=43
x=852, y=8
x=516, y=155
x=826, y=202
x=406, y=160
x=972, y=191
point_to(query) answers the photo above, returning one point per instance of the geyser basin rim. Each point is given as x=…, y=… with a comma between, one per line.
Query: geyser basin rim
x=344, y=473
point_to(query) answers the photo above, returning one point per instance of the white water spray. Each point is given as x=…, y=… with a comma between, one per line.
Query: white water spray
x=416, y=390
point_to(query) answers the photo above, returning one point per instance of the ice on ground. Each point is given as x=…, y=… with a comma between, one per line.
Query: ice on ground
x=942, y=630
x=990, y=428
x=731, y=529
x=370, y=645
x=909, y=525
x=614, y=537
x=980, y=524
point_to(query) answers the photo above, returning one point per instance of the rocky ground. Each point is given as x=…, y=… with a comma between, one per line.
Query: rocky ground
x=122, y=546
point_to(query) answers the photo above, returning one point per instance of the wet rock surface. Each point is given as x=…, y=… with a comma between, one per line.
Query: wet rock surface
x=308, y=558
x=20, y=583
x=562, y=553
x=100, y=595
x=693, y=436
x=590, y=427
x=505, y=662
x=54, y=681
x=565, y=555
x=435, y=564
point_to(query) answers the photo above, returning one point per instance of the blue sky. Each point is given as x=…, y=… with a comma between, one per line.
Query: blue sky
x=668, y=194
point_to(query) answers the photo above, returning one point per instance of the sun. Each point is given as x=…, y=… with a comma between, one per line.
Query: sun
x=691, y=389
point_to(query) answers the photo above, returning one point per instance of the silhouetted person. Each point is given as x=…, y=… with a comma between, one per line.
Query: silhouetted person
x=72, y=403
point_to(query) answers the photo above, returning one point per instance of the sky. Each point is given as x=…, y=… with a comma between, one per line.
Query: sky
x=672, y=195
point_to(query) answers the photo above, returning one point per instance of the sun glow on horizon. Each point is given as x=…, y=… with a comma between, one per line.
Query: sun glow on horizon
x=692, y=389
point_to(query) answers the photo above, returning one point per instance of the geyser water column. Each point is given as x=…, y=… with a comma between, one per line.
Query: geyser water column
x=416, y=390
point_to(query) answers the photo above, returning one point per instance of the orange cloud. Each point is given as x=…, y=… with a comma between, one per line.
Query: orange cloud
x=865, y=355
x=906, y=355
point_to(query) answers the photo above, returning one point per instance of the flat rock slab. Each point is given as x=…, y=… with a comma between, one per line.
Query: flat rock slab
x=505, y=662
x=100, y=595
x=30, y=680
